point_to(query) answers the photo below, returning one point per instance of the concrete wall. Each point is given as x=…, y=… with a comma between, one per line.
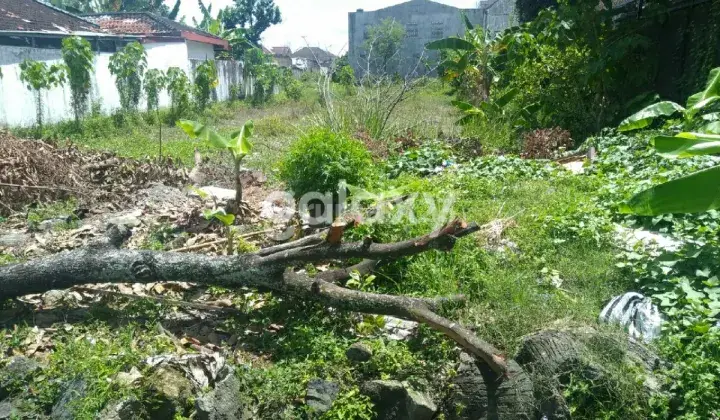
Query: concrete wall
x=17, y=103
x=200, y=51
x=424, y=21
x=230, y=73
x=499, y=15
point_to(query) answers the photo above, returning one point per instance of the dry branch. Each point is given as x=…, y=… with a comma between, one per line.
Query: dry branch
x=267, y=269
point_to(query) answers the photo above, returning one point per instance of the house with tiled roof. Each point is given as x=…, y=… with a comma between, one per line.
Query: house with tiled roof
x=31, y=23
x=282, y=56
x=312, y=59
x=34, y=30
x=154, y=29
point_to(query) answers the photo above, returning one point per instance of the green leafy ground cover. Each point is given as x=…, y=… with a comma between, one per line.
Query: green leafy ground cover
x=558, y=263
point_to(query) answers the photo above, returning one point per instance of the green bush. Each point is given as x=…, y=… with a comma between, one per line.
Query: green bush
x=319, y=160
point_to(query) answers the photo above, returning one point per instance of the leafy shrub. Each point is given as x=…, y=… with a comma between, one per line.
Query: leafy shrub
x=290, y=85
x=545, y=143
x=319, y=160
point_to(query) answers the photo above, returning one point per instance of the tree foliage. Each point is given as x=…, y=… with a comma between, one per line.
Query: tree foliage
x=155, y=83
x=38, y=76
x=78, y=56
x=236, y=37
x=128, y=66
x=252, y=16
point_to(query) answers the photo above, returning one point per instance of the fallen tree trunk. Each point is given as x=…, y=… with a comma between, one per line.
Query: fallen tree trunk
x=267, y=268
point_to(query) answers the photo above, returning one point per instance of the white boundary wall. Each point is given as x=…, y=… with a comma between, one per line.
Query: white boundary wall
x=17, y=103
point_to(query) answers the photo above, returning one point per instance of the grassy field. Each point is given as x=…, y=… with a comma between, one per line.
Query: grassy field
x=538, y=266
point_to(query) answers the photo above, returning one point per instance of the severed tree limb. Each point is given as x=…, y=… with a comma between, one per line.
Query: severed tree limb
x=334, y=276
x=265, y=269
x=418, y=309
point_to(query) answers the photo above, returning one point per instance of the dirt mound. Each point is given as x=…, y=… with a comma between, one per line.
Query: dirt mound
x=33, y=171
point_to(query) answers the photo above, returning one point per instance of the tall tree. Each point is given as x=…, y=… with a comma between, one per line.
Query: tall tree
x=252, y=16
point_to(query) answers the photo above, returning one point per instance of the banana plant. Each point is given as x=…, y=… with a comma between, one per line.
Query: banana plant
x=469, y=57
x=694, y=193
x=237, y=144
x=699, y=104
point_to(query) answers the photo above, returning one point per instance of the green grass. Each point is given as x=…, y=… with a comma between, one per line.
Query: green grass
x=499, y=285
x=91, y=354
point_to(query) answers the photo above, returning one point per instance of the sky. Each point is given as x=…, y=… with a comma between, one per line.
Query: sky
x=318, y=23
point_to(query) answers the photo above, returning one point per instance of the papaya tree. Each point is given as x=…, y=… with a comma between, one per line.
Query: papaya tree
x=128, y=66
x=78, y=57
x=39, y=77
x=155, y=82
x=237, y=144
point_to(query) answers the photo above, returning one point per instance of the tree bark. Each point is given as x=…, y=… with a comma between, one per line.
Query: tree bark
x=267, y=269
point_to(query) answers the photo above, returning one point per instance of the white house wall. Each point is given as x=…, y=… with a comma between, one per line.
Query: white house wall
x=17, y=103
x=200, y=51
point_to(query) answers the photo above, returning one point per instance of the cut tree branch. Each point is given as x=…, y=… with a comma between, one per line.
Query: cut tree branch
x=266, y=269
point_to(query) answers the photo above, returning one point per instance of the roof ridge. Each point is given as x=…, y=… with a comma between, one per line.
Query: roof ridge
x=166, y=22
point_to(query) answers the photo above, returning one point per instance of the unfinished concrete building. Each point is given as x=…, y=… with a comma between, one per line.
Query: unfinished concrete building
x=424, y=21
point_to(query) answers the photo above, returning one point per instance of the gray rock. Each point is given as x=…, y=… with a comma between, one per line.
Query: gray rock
x=129, y=220
x=20, y=367
x=11, y=409
x=420, y=406
x=399, y=329
x=321, y=395
x=62, y=410
x=15, y=239
x=128, y=378
x=359, y=352
x=127, y=409
x=171, y=391
x=394, y=401
x=225, y=402
x=389, y=398
x=17, y=371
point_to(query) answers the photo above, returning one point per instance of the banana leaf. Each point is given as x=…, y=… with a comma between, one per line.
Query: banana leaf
x=643, y=118
x=687, y=145
x=697, y=192
x=711, y=89
x=452, y=43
